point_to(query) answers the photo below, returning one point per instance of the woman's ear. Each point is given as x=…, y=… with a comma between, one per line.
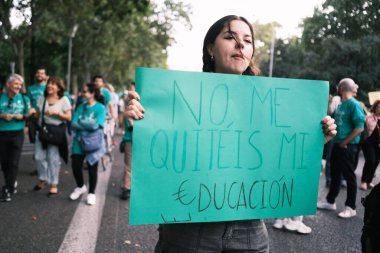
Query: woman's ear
x=210, y=50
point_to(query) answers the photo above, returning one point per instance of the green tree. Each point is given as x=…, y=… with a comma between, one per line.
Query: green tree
x=114, y=36
x=340, y=40
x=112, y=39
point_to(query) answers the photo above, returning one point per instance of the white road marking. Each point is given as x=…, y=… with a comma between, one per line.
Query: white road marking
x=82, y=234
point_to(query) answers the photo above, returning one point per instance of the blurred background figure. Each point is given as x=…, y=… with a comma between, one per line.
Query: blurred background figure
x=371, y=146
x=127, y=142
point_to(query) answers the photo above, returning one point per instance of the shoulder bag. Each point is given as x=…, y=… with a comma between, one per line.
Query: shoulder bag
x=91, y=140
x=51, y=134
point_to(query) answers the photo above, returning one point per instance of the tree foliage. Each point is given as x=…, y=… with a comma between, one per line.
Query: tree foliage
x=113, y=36
x=340, y=40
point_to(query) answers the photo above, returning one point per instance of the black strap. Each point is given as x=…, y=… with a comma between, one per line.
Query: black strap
x=84, y=109
x=43, y=112
x=25, y=105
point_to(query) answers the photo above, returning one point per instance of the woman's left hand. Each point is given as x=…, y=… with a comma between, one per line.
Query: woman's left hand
x=329, y=128
x=52, y=113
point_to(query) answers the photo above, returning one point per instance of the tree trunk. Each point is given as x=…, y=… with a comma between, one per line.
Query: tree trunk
x=18, y=47
x=87, y=73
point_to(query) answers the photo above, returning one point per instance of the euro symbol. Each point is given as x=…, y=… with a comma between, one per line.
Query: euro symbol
x=180, y=194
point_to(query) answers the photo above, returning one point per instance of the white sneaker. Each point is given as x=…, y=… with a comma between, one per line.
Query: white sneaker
x=91, y=199
x=326, y=205
x=279, y=223
x=303, y=229
x=348, y=212
x=291, y=225
x=78, y=192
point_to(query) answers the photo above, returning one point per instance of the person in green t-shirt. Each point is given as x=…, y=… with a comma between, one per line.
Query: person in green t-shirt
x=349, y=118
x=99, y=82
x=127, y=142
x=89, y=116
x=35, y=91
x=14, y=107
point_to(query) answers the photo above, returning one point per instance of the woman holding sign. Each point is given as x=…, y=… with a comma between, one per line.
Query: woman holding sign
x=228, y=48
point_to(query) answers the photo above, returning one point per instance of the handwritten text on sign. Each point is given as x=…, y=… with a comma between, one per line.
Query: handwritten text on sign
x=215, y=147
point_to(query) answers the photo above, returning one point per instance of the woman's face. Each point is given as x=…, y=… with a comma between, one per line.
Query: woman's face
x=14, y=87
x=86, y=94
x=232, y=53
x=52, y=88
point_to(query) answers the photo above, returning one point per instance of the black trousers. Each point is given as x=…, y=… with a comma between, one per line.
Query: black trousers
x=77, y=164
x=343, y=162
x=370, y=243
x=10, y=151
x=371, y=153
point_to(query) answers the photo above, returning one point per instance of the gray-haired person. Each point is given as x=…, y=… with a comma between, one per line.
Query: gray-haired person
x=349, y=118
x=14, y=107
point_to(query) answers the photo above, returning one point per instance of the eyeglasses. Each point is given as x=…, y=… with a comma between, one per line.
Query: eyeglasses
x=10, y=102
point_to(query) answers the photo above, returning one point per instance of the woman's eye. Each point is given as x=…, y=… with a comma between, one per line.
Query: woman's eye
x=248, y=41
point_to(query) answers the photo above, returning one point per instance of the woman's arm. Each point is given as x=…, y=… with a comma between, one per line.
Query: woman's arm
x=61, y=115
x=88, y=124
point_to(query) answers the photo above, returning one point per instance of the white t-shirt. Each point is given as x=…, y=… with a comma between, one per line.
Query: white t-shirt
x=62, y=105
x=121, y=105
x=115, y=102
x=336, y=100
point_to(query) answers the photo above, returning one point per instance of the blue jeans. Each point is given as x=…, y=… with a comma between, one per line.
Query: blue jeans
x=48, y=162
x=213, y=237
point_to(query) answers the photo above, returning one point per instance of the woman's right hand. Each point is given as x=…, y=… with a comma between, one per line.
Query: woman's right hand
x=32, y=111
x=134, y=110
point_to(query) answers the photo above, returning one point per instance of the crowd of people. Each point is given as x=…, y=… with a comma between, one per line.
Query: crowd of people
x=51, y=116
x=228, y=48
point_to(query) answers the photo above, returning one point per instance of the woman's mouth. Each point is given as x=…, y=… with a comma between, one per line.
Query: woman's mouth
x=238, y=56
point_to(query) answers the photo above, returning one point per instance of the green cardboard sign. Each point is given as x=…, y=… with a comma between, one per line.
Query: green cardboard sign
x=219, y=147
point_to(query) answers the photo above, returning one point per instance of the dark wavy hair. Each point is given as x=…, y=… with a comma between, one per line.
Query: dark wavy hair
x=92, y=88
x=98, y=76
x=213, y=32
x=59, y=82
x=373, y=108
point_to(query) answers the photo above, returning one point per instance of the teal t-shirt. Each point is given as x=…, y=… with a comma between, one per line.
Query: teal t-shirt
x=34, y=92
x=67, y=94
x=348, y=116
x=18, y=105
x=95, y=114
x=107, y=95
x=127, y=137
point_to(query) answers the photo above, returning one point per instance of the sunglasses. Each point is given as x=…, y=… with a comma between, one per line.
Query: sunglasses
x=10, y=102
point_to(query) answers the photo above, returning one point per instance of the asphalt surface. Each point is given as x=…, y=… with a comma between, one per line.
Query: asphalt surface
x=33, y=222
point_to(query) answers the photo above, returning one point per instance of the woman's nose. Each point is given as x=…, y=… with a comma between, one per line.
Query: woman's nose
x=239, y=44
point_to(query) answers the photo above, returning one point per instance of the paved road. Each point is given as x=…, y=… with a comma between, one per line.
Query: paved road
x=32, y=222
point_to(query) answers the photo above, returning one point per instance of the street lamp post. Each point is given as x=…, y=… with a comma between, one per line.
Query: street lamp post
x=12, y=64
x=272, y=52
x=68, y=77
